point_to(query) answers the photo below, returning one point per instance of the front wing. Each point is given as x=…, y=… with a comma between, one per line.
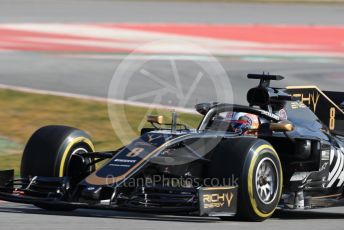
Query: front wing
x=208, y=201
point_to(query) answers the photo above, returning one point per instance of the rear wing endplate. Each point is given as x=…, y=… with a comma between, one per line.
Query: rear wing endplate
x=325, y=104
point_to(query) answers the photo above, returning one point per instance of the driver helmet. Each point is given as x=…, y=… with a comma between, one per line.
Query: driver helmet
x=243, y=122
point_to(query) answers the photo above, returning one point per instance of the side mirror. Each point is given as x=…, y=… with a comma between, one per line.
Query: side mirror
x=203, y=108
x=157, y=119
x=282, y=126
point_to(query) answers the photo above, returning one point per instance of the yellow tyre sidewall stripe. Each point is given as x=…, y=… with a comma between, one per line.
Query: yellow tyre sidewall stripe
x=250, y=180
x=73, y=142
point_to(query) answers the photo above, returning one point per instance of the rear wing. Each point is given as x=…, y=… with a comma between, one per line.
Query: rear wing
x=328, y=106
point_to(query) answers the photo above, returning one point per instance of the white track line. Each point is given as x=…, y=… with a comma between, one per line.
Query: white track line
x=94, y=98
x=121, y=57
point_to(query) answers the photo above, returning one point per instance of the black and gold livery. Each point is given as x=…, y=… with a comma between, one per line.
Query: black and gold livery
x=293, y=160
x=327, y=105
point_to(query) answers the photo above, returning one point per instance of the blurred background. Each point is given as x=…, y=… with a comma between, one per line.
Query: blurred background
x=60, y=61
x=75, y=46
x=58, y=57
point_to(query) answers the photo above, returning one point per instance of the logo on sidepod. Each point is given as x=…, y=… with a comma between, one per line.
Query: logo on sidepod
x=124, y=161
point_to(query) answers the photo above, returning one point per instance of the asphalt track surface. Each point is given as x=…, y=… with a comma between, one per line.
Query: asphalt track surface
x=91, y=76
x=168, y=12
x=18, y=216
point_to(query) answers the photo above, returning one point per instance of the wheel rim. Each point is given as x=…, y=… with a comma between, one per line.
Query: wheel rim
x=267, y=181
x=77, y=153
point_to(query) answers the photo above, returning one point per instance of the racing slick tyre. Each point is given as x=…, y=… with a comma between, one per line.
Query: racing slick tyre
x=56, y=151
x=257, y=170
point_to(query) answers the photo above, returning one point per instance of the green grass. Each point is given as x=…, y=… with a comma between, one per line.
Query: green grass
x=23, y=113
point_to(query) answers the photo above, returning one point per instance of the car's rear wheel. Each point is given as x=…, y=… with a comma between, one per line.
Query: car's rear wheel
x=57, y=151
x=258, y=170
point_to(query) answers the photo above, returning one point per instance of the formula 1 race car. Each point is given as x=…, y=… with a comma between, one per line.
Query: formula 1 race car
x=285, y=150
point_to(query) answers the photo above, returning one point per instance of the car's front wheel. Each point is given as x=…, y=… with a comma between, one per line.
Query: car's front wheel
x=57, y=151
x=258, y=170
